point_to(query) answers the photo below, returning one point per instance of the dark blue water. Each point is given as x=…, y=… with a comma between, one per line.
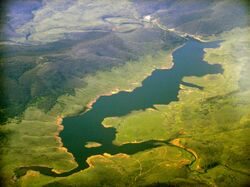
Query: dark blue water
x=161, y=87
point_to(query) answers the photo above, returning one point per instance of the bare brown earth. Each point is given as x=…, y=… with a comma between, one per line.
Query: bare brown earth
x=177, y=142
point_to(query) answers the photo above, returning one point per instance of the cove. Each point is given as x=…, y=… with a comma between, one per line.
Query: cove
x=161, y=87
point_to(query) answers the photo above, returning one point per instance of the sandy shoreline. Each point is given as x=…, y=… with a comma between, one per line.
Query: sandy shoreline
x=177, y=142
x=59, y=118
x=182, y=34
x=90, y=160
x=116, y=90
x=60, y=127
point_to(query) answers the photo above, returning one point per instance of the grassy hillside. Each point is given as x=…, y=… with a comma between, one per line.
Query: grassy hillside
x=33, y=141
x=207, y=131
x=213, y=123
x=197, y=17
x=48, y=64
x=44, y=57
x=56, y=58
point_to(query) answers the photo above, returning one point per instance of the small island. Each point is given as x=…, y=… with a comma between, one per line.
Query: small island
x=92, y=144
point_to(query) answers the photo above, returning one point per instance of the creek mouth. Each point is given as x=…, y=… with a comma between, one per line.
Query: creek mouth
x=161, y=87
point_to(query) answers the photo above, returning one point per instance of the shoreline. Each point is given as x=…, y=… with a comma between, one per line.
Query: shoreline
x=103, y=156
x=60, y=128
x=89, y=106
x=180, y=33
x=177, y=142
x=116, y=90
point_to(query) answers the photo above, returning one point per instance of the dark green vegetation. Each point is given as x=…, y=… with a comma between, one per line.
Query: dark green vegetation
x=160, y=88
x=198, y=17
x=212, y=124
x=27, y=68
x=58, y=57
x=41, y=74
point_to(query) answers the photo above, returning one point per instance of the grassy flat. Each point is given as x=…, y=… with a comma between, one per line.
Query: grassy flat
x=200, y=146
x=36, y=134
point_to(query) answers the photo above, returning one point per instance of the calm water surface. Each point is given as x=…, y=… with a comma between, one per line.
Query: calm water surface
x=161, y=87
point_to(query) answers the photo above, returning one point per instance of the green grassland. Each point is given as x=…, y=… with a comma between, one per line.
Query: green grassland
x=42, y=74
x=61, y=77
x=123, y=170
x=108, y=82
x=59, y=48
x=62, y=49
x=213, y=122
x=33, y=140
x=211, y=125
x=207, y=129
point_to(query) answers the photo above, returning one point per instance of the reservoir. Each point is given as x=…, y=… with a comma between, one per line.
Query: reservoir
x=161, y=87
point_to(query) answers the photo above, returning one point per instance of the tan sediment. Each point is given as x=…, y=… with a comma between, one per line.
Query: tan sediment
x=114, y=91
x=31, y=173
x=90, y=160
x=57, y=171
x=107, y=126
x=92, y=144
x=117, y=90
x=59, y=120
x=182, y=87
x=177, y=142
x=182, y=34
x=184, y=162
